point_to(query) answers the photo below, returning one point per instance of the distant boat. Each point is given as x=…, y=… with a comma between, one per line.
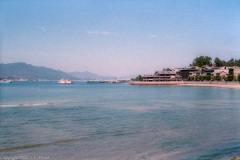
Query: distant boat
x=5, y=81
x=113, y=81
x=65, y=81
x=94, y=81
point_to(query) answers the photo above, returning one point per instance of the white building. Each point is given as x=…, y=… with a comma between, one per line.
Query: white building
x=221, y=71
x=236, y=71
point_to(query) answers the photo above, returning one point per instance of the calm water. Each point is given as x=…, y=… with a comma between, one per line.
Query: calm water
x=118, y=121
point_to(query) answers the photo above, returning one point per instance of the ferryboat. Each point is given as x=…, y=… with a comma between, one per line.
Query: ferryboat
x=65, y=81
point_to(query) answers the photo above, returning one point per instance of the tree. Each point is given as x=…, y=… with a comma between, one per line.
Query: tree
x=166, y=69
x=202, y=60
x=237, y=62
x=214, y=78
x=139, y=78
x=231, y=62
x=238, y=77
x=205, y=60
x=224, y=78
x=218, y=77
x=224, y=63
x=217, y=61
x=196, y=78
x=208, y=77
x=190, y=78
x=230, y=77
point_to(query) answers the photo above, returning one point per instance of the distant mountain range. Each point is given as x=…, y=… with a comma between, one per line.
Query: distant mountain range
x=23, y=70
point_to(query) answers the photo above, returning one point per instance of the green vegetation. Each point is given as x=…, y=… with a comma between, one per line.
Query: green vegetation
x=203, y=78
x=196, y=78
x=201, y=61
x=230, y=77
x=218, y=77
x=166, y=69
x=138, y=78
x=213, y=78
x=224, y=78
x=205, y=60
x=208, y=77
x=190, y=78
x=230, y=63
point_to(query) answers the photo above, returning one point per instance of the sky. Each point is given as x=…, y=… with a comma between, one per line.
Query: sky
x=118, y=37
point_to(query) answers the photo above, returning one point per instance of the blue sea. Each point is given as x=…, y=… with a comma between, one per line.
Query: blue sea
x=46, y=120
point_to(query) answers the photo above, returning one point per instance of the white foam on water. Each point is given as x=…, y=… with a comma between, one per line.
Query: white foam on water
x=26, y=104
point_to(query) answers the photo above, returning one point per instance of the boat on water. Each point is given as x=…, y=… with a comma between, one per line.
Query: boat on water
x=94, y=81
x=5, y=81
x=65, y=81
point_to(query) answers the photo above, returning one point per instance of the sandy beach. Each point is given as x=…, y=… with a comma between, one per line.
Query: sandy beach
x=233, y=85
x=213, y=85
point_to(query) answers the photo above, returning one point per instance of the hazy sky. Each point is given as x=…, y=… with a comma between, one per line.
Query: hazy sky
x=118, y=37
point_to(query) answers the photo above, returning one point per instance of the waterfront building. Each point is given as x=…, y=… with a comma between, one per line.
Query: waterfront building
x=208, y=70
x=150, y=78
x=221, y=71
x=235, y=71
x=186, y=72
x=176, y=69
x=198, y=73
x=205, y=68
x=178, y=74
x=162, y=76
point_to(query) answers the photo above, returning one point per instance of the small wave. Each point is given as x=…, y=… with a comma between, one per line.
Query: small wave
x=133, y=108
x=25, y=105
x=39, y=145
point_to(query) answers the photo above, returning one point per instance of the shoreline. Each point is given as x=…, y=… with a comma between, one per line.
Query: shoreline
x=213, y=85
x=188, y=83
